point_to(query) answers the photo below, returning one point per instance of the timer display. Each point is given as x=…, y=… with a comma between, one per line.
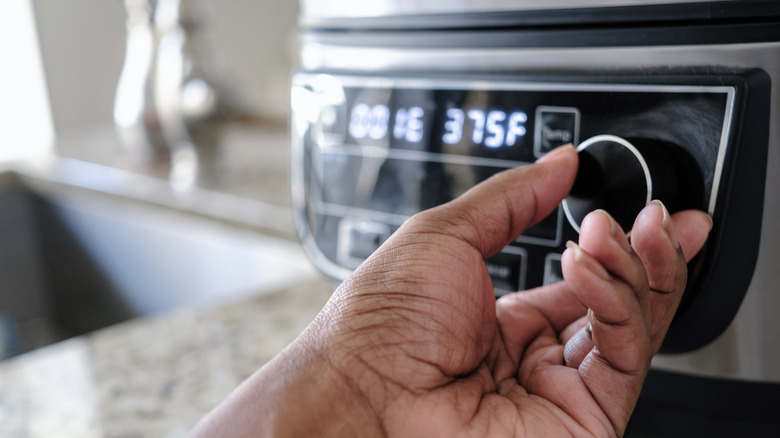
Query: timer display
x=373, y=121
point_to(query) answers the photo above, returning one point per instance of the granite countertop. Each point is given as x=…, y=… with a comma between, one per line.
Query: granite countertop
x=150, y=377
x=157, y=376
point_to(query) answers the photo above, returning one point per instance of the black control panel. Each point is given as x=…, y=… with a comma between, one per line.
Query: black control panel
x=369, y=152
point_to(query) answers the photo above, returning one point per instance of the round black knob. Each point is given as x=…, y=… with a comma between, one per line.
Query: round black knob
x=621, y=176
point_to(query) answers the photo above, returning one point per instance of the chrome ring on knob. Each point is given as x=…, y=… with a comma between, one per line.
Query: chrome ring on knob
x=626, y=144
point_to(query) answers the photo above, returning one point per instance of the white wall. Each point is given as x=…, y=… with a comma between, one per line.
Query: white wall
x=25, y=119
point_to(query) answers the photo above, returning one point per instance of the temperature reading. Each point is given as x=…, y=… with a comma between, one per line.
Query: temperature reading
x=494, y=128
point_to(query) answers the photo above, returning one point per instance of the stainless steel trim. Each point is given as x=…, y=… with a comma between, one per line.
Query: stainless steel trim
x=509, y=85
x=317, y=56
x=318, y=9
x=299, y=124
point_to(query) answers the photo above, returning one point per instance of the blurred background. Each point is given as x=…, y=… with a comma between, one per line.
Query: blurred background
x=94, y=62
x=250, y=45
x=148, y=258
x=143, y=161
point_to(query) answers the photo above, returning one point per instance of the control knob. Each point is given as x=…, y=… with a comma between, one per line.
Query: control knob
x=622, y=176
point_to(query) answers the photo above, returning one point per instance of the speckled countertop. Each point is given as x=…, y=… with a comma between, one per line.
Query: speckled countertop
x=150, y=377
x=157, y=376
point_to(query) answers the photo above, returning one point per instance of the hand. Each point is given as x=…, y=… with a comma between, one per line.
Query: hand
x=414, y=343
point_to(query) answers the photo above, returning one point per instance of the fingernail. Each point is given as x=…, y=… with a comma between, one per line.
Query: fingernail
x=555, y=152
x=587, y=262
x=593, y=317
x=616, y=233
x=666, y=223
x=612, y=223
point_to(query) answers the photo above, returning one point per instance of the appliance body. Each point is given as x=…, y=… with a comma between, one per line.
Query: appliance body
x=406, y=105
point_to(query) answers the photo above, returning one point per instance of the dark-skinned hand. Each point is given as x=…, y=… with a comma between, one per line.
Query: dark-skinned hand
x=414, y=343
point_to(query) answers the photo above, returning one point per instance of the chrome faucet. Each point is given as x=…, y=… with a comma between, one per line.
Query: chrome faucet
x=167, y=109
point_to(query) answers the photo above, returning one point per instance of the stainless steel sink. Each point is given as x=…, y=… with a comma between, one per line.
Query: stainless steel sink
x=74, y=259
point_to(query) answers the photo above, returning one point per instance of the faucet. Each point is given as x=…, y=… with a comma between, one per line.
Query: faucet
x=168, y=110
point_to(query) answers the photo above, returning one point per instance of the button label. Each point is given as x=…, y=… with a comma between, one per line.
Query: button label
x=551, y=135
x=555, y=126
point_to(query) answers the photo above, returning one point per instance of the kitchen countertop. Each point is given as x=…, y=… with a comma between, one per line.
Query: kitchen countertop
x=150, y=377
x=157, y=376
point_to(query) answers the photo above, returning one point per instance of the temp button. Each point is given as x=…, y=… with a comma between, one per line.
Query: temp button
x=555, y=126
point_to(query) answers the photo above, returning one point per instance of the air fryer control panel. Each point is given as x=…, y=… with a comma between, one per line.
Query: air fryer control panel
x=369, y=152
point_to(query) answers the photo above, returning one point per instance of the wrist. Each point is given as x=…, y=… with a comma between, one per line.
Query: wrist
x=316, y=398
x=298, y=393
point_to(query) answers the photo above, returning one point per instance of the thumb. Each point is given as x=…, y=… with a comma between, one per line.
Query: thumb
x=493, y=213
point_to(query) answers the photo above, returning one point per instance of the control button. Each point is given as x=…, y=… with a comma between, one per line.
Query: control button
x=358, y=239
x=621, y=176
x=612, y=175
x=507, y=270
x=555, y=126
x=547, y=232
x=553, y=272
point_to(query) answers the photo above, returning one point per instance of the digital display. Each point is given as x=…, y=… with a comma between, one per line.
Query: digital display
x=494, y=129
x=491, y=128
x=481, y=123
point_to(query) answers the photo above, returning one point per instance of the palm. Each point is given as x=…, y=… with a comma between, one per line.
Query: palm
x=521, y=387
x=495, y=379
x=514, y=396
